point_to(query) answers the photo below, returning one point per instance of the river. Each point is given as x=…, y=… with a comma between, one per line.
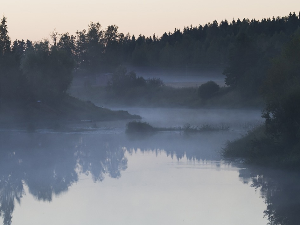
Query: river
x=101, y=175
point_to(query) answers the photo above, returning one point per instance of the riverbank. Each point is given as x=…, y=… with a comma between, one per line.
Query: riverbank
x=259, y=148
x=138, y=127
x=68, y=110
x=166, y=97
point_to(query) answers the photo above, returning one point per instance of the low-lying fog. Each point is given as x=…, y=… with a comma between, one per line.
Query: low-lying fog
x=186, y=79
x=233, y=118
x=100, y=174
x=175, y=79
x=110, y=177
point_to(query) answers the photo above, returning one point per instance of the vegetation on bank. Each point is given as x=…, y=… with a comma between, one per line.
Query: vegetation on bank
x=34, y=79
x=280, y=191
x=277, y=143
x=68, y=110
x=257, y=147
x=127, y=89
x=138, y=127
x=36, y=76
x=42, y=71
x=243, y=49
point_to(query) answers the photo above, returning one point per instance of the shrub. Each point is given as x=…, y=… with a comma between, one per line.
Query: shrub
x=155, y=83
x=139, y=127
x=208, y=89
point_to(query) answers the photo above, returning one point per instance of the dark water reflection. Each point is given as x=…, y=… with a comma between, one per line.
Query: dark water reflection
x=280, y=190
x=48, y=164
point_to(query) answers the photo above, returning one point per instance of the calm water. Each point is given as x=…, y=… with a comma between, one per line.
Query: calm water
x=103, y=176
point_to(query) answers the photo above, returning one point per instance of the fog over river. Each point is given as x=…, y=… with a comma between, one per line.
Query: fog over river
x=101, y=175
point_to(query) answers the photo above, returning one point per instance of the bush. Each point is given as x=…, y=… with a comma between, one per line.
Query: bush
x=247, y=146
x=282, y=93
x=139, y=127
x=283, y=117
x=122, y=82
x=208, y=89
x=155, y=83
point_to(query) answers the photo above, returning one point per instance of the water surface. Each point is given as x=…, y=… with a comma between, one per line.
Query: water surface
x=103, y=176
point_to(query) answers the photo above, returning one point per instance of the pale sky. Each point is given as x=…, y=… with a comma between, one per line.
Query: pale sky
x=36, y=19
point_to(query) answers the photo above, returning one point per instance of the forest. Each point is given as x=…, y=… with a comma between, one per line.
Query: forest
x=259, y=59
x=243, y=49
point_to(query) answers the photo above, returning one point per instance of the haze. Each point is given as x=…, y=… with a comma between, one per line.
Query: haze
x=35, y=20
x=198, y=125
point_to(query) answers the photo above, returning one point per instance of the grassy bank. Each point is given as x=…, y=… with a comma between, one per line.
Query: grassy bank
x=135, y=127
x=257, y=147
x=68, y=110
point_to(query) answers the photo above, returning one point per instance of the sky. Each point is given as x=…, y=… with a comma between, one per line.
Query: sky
x=37, y=19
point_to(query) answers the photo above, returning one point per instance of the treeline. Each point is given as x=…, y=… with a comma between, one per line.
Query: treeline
x=277, y=142
x=101, y=50
x=243, y=48
x=193, y=47
x=31, y=72
x=96, y=50
x=211, y=44
x=44, y=69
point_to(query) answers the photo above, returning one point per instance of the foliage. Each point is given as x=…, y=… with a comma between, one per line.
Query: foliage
x=4, y=38
x=48, y=70
x=12, y=83
x=147, y=96
x=247, y=66
x=139, y=127
x=211, y=44
x=282, y=93
x=279, y=144
x=143, y=127
x=42, y=70
x=187, y=128
x=280, y=190
x=155, y=82
x=244, y=146
x=122, y=80
x=127, y=85
x=242, y=57
x=208, y=89
x=33, y=72
x=243, y=47
x=97, y=50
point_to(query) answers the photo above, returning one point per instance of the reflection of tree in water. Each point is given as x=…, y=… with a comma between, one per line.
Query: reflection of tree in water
x=49, y=164
x=102, y=157
x=193, y=147
x=281, y=191
x=11, y=189
x=51, y=175
x=11, y=185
